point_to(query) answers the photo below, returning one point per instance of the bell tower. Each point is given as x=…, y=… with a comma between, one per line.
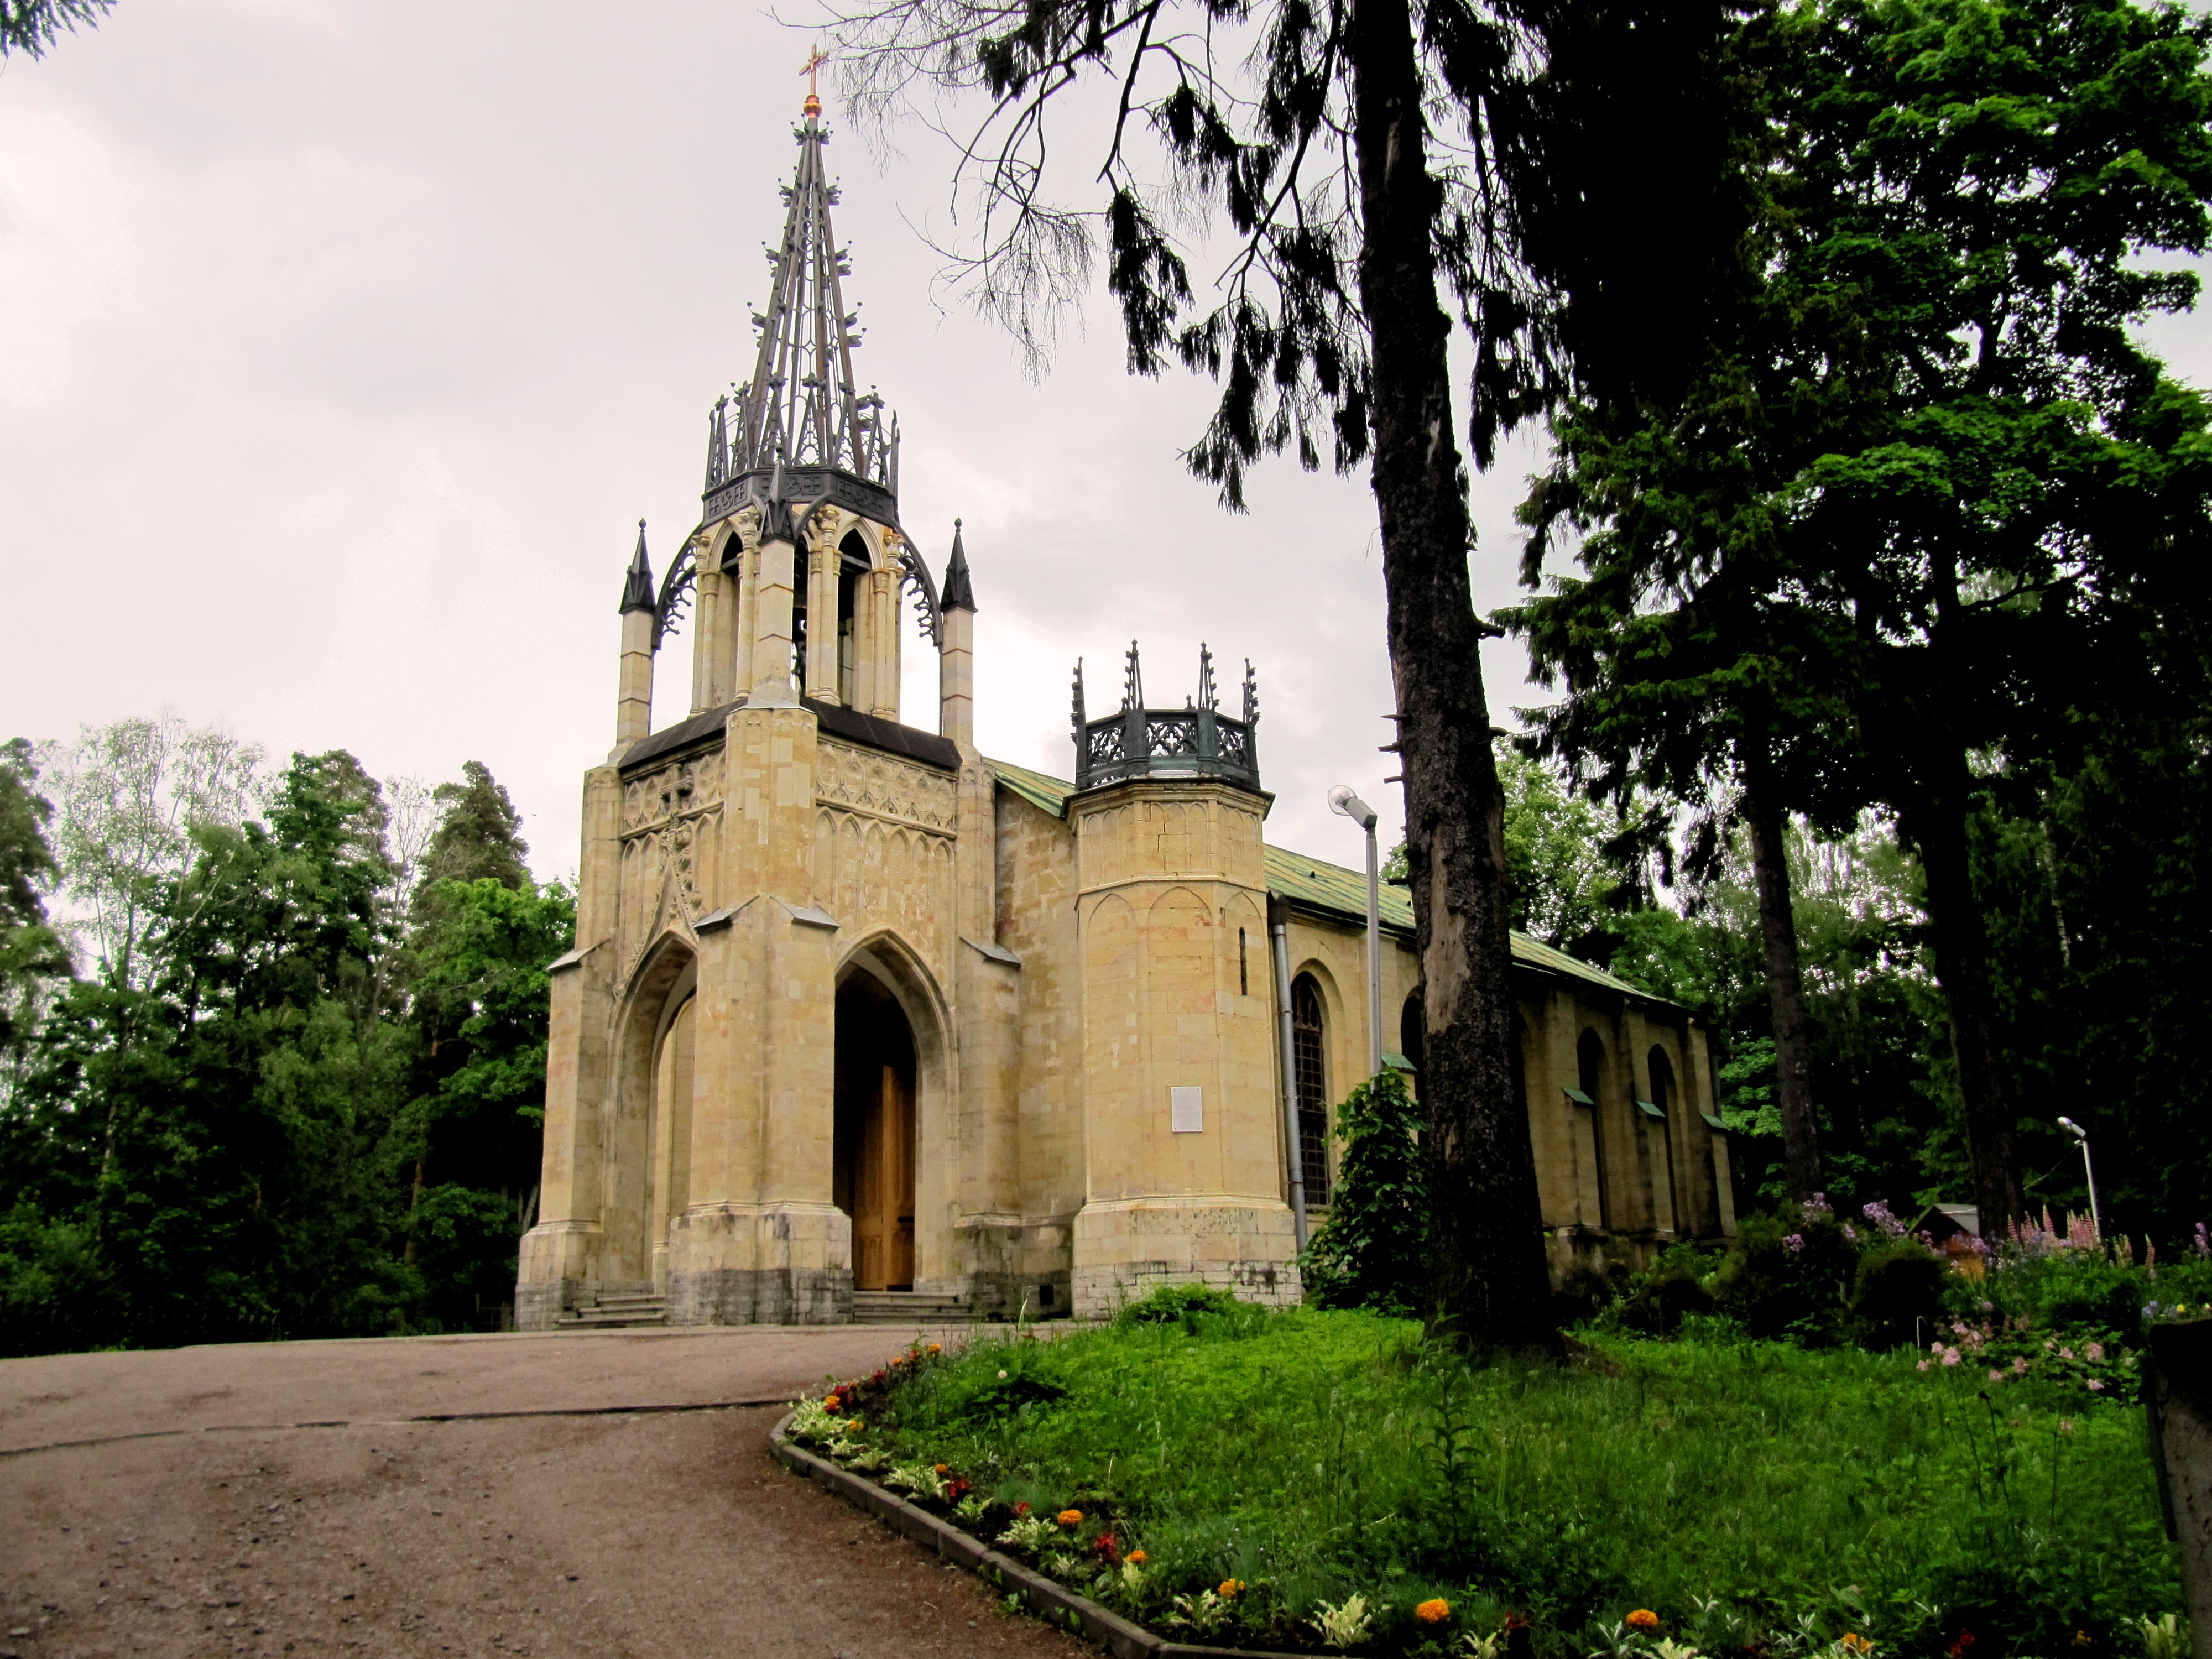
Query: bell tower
x=784, y=906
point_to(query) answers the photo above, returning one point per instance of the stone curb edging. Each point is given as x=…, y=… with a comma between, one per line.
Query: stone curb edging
x=1049, y=1600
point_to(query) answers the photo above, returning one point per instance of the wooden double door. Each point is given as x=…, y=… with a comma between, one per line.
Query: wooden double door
x=874, y=1174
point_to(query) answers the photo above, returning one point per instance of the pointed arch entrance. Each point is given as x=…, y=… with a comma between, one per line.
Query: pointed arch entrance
x=873, y=1176
x=648, y=1130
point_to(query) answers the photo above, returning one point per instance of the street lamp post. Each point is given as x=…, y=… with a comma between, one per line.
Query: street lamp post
x=2088, y=1173
x=1343, y=802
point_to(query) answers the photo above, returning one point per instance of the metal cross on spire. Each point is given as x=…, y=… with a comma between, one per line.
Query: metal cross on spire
x=815, y=60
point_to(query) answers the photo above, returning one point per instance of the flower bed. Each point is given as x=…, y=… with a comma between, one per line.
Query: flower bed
x=1317, y=1482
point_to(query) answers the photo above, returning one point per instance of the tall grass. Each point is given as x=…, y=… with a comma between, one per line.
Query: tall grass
x=1738, y=1488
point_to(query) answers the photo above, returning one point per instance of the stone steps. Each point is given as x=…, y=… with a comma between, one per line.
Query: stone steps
x=907, y=1308
x=614, y=1310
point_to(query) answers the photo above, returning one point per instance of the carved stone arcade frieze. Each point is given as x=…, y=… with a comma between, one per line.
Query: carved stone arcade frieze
x=883, y=787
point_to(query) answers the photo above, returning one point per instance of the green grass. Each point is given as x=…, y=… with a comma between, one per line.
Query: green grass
x=1736, y=1488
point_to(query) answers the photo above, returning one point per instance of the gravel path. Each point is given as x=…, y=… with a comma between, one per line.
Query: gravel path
x=285, y=1498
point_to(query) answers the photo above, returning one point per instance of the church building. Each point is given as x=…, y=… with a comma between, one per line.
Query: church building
x=860, y=1020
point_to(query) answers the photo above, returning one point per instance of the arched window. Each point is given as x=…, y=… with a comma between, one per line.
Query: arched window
x=1412, y=1030
x=1589, y=1072
x=1306, y=1052
x=1663, y=1096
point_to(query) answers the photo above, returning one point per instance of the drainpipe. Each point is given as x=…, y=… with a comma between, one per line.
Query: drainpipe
x=1287, y=1058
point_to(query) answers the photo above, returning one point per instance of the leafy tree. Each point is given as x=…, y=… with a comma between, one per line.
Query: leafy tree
x=483, y=1001
x=1525, y=155
x=223, y=1143
x=1895, y=515
x=31, y=956
x=131, y=794
x=1371, y=1252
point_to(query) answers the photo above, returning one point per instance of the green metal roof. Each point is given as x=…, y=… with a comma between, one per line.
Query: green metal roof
x=1310, y=884
x=1035, y=788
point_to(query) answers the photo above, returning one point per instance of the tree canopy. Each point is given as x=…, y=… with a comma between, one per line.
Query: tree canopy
x=224, y=1131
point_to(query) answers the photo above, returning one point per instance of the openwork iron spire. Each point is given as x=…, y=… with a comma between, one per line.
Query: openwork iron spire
x=803, y=408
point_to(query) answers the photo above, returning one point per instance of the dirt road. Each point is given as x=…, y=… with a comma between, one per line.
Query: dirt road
x=287, y=1498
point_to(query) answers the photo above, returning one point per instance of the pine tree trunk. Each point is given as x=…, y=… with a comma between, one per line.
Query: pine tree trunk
x=1785, y=990
x=1493, y=1283
x=1939, y=831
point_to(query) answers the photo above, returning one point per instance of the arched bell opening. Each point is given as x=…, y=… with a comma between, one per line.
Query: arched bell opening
x=853, y=563
x=872, y=1176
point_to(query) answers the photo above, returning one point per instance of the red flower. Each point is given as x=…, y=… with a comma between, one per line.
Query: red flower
x=1021, y=1509
x=955, y=1491
x=1965, y=1640
x=1106, y=1545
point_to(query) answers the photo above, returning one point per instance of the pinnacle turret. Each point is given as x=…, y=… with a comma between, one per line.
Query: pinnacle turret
x=637, y=587
x=959, y=590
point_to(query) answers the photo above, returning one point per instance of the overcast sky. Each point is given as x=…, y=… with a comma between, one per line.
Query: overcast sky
x=342, y=346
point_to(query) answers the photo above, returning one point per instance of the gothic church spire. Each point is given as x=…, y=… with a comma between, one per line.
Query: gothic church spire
x=802, y=406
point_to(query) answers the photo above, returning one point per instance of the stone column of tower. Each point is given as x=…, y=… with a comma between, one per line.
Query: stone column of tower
x=883, y=599
x=633, y=697
x=955, y=678
x=741, y=565
x=710, y=636
x=771, y=686
x=822, y=564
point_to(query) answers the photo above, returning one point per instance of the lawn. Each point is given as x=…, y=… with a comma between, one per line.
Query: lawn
x=1745, y=1492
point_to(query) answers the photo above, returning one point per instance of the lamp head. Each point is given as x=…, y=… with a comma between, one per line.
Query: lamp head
x=1345, y=804
x=2072, y=1128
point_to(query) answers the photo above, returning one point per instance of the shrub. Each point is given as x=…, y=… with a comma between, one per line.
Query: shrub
x=1372, y=1252
x=1172, y=1304
x=1657, y=1301
x=1789, y=1275
x=1897, y=1294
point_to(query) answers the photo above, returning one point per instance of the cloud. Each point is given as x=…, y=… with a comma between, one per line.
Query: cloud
x=346, y=344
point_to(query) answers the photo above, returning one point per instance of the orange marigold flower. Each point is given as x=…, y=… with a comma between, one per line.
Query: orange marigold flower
x=937, y=1347
x=943, y=1468
x=1232, y=1589
x=1434, y=1611
x=832, y=1404
x=1644, y=1618
x=898, y=1359
x=1071, y=1517
x=1855, y=1642
x=1136, y=1558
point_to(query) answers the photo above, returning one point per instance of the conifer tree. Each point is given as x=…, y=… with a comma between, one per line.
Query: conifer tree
x=480, y=833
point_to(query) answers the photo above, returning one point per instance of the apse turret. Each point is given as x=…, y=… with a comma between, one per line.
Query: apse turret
x=1195, y=741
